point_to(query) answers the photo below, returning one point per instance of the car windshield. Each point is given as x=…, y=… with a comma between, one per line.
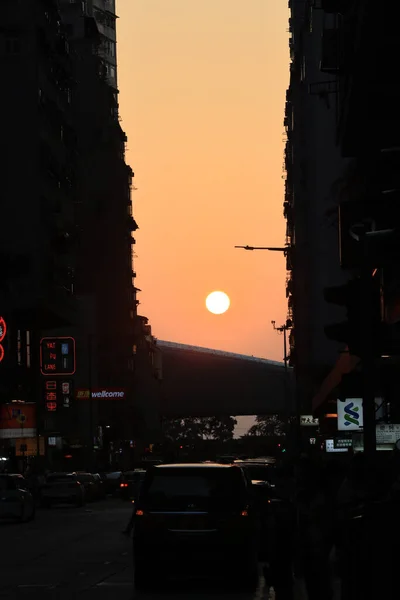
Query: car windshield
x=114, y=475
x=7, y=484
x=85, y=477
x=61, y=477
x=259, y=472
x=204, y=489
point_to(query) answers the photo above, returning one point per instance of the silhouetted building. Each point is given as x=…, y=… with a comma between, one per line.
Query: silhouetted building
x=313, y=168
x=67, y=248
x=342, y=164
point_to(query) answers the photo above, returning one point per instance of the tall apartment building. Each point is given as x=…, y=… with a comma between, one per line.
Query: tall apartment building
x=67, y=243
x=105, y=261
x=38, y=199
x=342, y=149
x=314, y=167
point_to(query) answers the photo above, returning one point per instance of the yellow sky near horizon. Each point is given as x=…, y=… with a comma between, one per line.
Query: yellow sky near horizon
x=202, y=95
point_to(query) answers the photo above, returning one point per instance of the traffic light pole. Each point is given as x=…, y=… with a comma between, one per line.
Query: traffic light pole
x=367, y=357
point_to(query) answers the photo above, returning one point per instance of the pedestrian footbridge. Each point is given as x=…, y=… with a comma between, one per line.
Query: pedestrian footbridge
x=203, y=382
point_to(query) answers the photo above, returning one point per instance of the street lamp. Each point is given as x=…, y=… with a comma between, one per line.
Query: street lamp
x=282, y=329
x=270, y=248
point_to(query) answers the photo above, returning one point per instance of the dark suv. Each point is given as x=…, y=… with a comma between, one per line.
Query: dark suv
x=189, y=516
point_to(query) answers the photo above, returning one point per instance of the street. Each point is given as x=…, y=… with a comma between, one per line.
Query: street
x=80, y=553
x=69, y=552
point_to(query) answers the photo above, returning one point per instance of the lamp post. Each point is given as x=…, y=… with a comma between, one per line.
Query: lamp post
x=270, y=248
x=282, y=329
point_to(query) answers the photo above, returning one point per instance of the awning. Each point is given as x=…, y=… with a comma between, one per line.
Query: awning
x=345, y=364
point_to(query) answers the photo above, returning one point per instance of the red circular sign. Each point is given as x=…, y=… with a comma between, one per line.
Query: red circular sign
x=3, y=329
x=1, y=352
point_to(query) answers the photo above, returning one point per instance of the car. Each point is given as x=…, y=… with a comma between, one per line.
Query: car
x=195, y=515
x=63, y=488
x=16, y=502
x=258, y=470
x=94, y=488
x=101, y=486
x=112, y=481
x=130, y=484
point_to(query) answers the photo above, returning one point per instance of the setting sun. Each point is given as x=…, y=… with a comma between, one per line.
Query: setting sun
x=218, y=302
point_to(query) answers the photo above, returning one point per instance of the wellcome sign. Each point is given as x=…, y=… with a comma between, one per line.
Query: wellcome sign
x=101, y=394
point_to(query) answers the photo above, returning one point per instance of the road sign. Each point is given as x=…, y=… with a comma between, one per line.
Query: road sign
x=309, y=421
x=350, y=414
x=387, y=433
x=57, y=356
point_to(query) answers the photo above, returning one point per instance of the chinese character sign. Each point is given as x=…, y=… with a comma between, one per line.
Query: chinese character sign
x=57, y=392
x=57, y=356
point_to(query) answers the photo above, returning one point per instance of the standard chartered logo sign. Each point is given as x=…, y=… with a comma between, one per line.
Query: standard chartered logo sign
x=350, y=414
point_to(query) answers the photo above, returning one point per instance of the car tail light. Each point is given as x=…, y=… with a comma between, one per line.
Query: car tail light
x=139, y=513
x=123, y=485
x=244, y=513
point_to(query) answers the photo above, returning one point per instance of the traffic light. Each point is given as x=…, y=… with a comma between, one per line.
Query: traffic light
x=350, y=332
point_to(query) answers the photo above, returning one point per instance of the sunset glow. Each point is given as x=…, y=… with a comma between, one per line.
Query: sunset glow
x=202, y=97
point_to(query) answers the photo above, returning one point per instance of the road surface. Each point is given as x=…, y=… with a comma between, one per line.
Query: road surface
x=80, y=553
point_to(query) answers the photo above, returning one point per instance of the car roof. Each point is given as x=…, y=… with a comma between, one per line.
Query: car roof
x=193, y=466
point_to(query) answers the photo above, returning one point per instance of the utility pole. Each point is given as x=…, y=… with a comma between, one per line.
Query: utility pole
x=90, y=383
x=287, y=396
x=368, y=362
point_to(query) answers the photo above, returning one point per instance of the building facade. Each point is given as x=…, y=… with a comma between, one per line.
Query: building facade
x=342, y=163
x=68, y=243
x=314, y=168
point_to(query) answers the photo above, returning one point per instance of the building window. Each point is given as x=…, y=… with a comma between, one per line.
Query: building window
x=110, y=22
x=13, y=45
x=108, y=46
x=109, y=71
x=303, y=68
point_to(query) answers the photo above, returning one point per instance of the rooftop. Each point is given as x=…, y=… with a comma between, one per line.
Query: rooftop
x=222, y=353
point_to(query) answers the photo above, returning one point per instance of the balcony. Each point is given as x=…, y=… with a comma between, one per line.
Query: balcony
x=132, y=225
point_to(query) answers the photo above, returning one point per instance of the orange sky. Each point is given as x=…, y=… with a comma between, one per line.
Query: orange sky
x=202, y=93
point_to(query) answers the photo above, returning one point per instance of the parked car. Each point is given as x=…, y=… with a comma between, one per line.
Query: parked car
x=130, y=484
x=63, y=488
x=16, y=502
x=195, y=516
x=258, y=470
x=112, y=481
x=101, y=485
x=92, y=484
